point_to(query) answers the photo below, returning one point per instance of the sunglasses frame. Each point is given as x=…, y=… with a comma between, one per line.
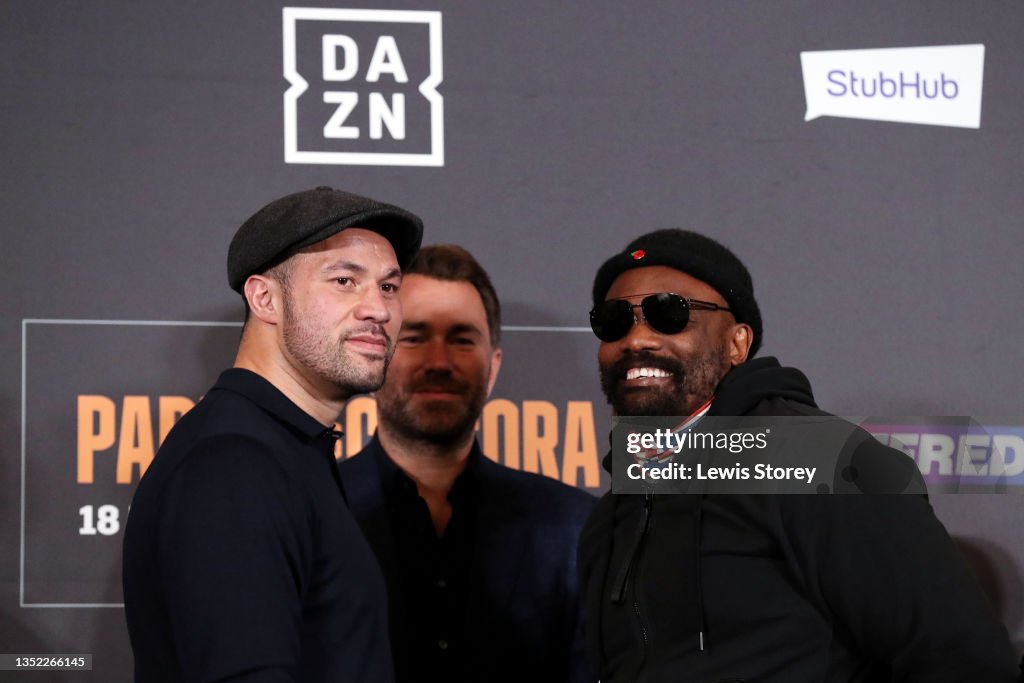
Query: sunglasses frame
x=656, y=325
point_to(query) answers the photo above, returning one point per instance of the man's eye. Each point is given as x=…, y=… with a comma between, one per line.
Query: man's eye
x=344, y=281
x=409, y=339
x=465, y=341
x=389, y=287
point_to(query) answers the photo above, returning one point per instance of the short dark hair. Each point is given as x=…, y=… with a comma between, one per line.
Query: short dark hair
x=452, y=263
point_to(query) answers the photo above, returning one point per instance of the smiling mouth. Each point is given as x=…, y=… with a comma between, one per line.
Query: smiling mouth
x=645, y=373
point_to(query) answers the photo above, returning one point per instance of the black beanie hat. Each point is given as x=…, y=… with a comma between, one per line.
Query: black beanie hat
x=695, y=255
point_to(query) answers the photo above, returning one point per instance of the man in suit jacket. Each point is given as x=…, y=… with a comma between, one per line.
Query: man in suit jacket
x=479, y=559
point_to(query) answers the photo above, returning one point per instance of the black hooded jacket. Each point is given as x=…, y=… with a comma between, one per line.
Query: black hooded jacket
x=784, y=588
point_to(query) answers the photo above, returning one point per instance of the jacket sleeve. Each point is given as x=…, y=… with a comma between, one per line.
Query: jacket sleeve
x=581, y=666
x=592, y=556
x=884, y=570
x=233, y=546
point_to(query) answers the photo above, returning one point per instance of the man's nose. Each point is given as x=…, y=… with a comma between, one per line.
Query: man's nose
x=375, y=306
x=438, y=355
x=641, y=337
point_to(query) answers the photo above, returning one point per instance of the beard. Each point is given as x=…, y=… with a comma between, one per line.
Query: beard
x=311, y=345
x=690, y=384
x=438, y=422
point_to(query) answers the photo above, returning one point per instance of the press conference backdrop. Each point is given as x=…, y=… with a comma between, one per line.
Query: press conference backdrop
x=874, y=191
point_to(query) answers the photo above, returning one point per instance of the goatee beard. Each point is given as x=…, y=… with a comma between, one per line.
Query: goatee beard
x=690, y=383
x=669, y=401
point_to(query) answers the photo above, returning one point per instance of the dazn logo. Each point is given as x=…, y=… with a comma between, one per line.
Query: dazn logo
x=363, y=87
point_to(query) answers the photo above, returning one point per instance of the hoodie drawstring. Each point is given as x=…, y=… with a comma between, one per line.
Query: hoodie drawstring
x=698, y=520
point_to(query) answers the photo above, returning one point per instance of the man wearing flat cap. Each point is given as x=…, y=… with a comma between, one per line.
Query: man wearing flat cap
x=767, y=588
x=242, y=561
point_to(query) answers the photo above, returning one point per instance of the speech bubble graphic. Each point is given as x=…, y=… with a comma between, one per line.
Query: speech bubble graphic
x=937, y=86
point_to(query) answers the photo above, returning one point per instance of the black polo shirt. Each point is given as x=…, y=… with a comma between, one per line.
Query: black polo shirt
x=435, y=570
x=241, y=558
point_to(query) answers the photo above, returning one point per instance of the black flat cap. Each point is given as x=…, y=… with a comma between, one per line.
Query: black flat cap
x=286, y=225
x=696, y=255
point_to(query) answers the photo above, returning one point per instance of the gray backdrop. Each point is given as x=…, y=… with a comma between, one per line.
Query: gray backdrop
x=138, y=136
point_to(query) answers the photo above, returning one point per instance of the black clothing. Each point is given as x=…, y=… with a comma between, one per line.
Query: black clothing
x=519, y=619
x=241, y=559
x=435, y=572
x=783, y=588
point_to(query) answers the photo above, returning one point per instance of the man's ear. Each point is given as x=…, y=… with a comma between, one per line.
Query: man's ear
x=495, y=367
x=741, y=336
x=264, y=297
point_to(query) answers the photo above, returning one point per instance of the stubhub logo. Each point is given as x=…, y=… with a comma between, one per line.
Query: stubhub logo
x=363, y=87
x=938, y=86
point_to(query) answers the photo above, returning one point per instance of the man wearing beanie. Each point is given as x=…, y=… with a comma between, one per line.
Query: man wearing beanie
x=766, y=588
x=242, y=561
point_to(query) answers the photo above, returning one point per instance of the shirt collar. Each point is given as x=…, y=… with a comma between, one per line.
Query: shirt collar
x=396, y=482
x=268, y=397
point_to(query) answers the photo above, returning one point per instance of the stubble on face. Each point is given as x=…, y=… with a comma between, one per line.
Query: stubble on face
x=691, y=362
x=308, y=339
x=321, y=332
x=693, y=382
x=443, y=368
x=441, y=423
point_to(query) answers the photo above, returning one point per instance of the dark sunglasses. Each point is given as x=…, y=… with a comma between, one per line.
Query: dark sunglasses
x=663, y=312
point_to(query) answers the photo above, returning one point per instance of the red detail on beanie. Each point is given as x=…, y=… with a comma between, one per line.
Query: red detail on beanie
x=638, y=254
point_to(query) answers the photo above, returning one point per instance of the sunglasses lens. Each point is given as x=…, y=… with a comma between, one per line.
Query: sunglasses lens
x=611, y=320
x=666, y=313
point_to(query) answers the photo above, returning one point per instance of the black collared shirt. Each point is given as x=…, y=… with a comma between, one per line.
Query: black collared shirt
x=241, y=558
x=435, y=571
